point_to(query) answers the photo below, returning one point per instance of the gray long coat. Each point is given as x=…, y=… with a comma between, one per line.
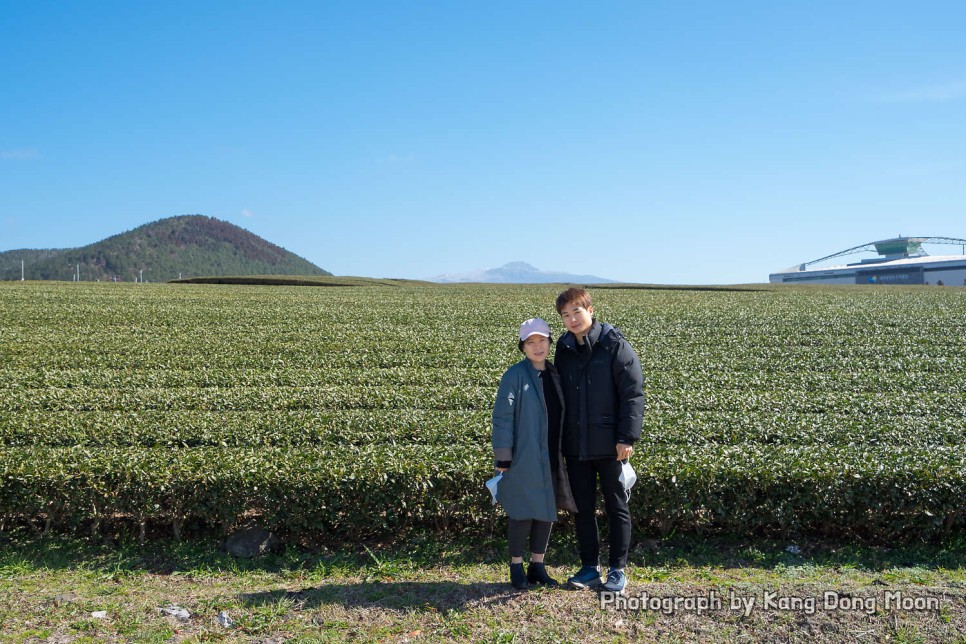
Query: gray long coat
x=527, y=490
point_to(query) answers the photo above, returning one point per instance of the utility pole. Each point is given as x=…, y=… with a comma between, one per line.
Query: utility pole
x=142, y=276
x=21, y=270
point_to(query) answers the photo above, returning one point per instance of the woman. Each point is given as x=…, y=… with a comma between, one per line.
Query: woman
x=527, y=422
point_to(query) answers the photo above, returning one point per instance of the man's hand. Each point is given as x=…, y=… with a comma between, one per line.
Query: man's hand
x=624, y=451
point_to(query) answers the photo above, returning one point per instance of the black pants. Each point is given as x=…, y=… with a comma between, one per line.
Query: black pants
x=518, y=531
x=583, y=483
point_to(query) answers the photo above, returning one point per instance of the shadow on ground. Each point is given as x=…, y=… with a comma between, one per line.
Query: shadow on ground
x=23, y=551
x=404, y=595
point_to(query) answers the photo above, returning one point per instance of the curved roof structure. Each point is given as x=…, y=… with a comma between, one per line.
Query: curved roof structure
x=889, y=249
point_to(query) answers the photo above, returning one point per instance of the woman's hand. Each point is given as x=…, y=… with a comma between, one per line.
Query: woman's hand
x=624, y=451
x=501, y=470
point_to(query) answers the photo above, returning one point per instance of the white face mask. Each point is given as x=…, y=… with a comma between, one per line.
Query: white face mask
x=492, y=484
x=628, y=476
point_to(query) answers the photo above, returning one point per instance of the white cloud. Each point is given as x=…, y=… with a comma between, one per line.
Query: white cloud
x=21, y=154
x=950, y=169
x=952, y=91
x=248, y=214
x=919, y=170
x=396, y=159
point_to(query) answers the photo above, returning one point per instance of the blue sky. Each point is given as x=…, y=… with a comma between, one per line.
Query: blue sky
x=662, y=142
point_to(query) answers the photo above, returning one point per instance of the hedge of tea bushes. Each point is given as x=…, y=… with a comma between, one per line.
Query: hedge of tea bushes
x=347, y=493
x=378, y=492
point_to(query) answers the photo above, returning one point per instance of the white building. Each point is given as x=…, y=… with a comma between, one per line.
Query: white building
x=901, y=261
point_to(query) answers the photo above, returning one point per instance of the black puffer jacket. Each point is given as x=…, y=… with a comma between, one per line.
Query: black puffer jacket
x=603, y=389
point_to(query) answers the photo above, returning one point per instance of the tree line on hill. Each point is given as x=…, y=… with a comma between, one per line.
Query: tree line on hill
x=167, y=249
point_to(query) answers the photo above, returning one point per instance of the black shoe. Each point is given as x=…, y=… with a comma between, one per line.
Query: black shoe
x=537, y=574
x=518, y=578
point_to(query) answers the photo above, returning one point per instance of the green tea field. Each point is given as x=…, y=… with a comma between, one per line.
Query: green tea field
x=362, y=411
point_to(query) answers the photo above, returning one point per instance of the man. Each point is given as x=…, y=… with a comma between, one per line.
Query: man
x=603, y=390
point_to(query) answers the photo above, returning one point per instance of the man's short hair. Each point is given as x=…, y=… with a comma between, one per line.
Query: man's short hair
x=578, y=296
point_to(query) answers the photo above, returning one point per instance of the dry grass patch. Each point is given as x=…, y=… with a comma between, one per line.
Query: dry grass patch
x=426, y=591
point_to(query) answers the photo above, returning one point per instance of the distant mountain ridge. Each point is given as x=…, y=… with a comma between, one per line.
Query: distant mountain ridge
x=519, y=273
x=184, y=246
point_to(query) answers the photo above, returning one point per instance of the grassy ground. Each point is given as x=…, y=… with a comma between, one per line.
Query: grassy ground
x=431, y=591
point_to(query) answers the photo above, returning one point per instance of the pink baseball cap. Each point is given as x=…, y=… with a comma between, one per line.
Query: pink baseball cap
x=534, y=326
